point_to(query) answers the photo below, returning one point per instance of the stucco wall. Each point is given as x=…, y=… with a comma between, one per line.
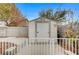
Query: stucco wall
x=17, y=31
x=14, y=31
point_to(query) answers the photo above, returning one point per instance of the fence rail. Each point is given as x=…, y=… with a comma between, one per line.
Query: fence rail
x=39, y=46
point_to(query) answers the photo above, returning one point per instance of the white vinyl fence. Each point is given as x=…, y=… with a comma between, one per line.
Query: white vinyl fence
x=12, y=46
x=53, y=46
x=39, y=46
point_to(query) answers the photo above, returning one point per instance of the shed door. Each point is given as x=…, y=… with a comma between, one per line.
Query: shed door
x=42, y=30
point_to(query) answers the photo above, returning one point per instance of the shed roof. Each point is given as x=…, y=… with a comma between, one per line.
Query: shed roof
x=40, y=18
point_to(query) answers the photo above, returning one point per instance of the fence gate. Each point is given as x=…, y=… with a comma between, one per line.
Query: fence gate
x=39, y=47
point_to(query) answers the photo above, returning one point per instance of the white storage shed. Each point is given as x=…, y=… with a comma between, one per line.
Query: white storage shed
x=42, y=28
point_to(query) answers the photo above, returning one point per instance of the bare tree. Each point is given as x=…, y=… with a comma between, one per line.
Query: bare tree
x=58, y=15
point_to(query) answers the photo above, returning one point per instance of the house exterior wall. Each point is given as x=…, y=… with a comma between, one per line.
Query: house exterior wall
x=53, y=29
x=2, y=23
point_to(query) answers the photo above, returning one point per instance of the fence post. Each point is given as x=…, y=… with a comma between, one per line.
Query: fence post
x=50, y=45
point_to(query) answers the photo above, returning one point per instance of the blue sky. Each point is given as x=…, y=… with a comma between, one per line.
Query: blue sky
x=31, y=10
